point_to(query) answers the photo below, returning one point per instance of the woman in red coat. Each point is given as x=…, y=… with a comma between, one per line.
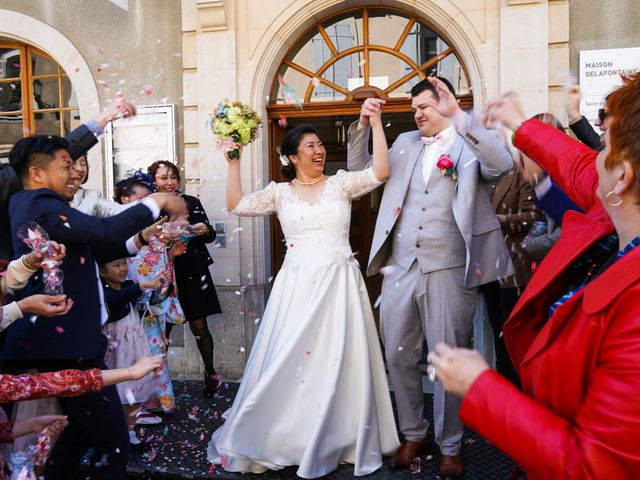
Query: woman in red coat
x=574, y=335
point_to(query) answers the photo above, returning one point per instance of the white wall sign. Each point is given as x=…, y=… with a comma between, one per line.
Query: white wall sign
x=136, y=142
x=600, y=72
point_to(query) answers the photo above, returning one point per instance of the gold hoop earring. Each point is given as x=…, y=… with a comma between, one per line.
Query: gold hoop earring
x=617, y=204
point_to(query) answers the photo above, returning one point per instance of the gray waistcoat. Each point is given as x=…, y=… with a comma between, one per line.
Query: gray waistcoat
x=426, y=229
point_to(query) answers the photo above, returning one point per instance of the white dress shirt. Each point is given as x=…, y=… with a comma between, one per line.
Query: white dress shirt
x=441, y=143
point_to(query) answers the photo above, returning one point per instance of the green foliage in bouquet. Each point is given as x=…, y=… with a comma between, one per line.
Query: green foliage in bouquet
x=236, y=121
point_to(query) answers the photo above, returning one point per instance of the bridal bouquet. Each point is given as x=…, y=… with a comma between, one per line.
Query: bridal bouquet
x=237, y=122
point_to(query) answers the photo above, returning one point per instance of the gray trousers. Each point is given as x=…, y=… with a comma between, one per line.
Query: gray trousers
x=436, y=306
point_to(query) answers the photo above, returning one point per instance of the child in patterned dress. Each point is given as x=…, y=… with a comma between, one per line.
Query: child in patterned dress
x=127, y=338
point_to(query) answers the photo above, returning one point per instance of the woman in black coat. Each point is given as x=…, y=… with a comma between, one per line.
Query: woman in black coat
x=196, y=293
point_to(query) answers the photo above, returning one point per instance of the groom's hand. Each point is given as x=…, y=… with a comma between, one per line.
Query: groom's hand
x=447, y=106
x=371, y=108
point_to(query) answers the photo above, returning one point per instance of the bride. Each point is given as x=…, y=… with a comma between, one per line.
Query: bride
x=314, y=391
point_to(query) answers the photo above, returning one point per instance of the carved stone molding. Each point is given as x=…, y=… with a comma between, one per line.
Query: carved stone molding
x=211, y=15
x=523, y=2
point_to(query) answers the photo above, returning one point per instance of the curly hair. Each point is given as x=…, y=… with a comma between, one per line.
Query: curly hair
x=624, y=108
x=153, y=168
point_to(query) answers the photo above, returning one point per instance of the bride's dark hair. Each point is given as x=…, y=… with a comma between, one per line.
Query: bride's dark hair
x=289, y=146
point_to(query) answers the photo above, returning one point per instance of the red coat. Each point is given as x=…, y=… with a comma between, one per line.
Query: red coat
x=579, y=415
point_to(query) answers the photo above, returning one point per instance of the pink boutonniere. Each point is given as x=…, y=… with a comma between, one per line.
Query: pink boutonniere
x=445, y=167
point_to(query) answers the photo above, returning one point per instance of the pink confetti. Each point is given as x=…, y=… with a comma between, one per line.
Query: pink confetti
x=82, y=260
x=388, y=270
x=397, y=212
x=315, y=81
x=282, y=122
x=416, y=465
x=59, y=329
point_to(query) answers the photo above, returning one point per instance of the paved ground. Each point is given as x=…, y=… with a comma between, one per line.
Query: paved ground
x=180, y=447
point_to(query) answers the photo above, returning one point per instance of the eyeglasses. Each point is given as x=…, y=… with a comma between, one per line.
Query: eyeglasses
x=602, y=114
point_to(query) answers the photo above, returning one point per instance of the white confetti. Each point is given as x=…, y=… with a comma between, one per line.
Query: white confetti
x=474, y=159
x=131, y=399
x=377, y=304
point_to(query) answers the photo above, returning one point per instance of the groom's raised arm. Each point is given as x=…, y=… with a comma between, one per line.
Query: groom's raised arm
x=358, y=156
x=494, y=158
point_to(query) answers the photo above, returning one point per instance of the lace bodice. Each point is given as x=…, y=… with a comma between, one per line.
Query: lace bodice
x=314, y=232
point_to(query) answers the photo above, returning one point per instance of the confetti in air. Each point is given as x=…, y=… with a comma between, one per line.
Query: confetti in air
x=289, y=93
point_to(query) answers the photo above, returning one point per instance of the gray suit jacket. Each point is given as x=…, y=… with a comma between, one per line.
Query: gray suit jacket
x=480, y=159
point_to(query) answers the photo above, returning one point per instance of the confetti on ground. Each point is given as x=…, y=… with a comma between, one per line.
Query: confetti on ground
x=415, y=466
x=182, y=451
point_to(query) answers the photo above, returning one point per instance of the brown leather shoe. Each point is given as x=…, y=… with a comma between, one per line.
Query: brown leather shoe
x=407, y=452
x=451, y=467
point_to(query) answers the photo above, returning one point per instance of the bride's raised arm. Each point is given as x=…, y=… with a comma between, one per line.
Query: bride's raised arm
x=262, y=202
x=234, y=185
x=372, y=108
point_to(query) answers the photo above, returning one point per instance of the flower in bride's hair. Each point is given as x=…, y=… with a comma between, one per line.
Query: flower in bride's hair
x=284, y=160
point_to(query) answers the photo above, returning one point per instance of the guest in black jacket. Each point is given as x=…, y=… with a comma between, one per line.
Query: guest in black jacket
x=80, y=141
x=74, y=340
x=196, y=293
x=580, y=126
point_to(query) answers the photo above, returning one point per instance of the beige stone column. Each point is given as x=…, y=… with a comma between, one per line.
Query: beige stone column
x=524, y=54
x=209, y=76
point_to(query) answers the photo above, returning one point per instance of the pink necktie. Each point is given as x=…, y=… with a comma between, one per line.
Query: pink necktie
x=429, y=140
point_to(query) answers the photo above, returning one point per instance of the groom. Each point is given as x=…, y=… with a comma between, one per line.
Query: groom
x=438, y=239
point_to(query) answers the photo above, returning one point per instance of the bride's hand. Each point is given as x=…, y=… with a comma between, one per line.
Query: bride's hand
x=229, y=146
x=372, y=111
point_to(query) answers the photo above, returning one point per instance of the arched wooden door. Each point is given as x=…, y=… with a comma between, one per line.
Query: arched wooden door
x=324, y=78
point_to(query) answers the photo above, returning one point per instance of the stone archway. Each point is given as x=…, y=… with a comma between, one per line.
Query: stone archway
x=29, y=30
x=298, y=17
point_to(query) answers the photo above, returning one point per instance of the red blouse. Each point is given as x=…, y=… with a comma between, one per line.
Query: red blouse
x=66, y=383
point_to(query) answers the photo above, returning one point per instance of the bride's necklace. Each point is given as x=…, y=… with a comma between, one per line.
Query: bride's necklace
x=306, y=184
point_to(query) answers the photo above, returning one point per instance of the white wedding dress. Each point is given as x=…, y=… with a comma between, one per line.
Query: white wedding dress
x=314, y=391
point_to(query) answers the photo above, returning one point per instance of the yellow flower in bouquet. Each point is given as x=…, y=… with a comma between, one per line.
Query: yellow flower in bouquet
x=235, y=121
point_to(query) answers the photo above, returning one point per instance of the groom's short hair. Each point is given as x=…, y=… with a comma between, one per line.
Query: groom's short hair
x=423, y=85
